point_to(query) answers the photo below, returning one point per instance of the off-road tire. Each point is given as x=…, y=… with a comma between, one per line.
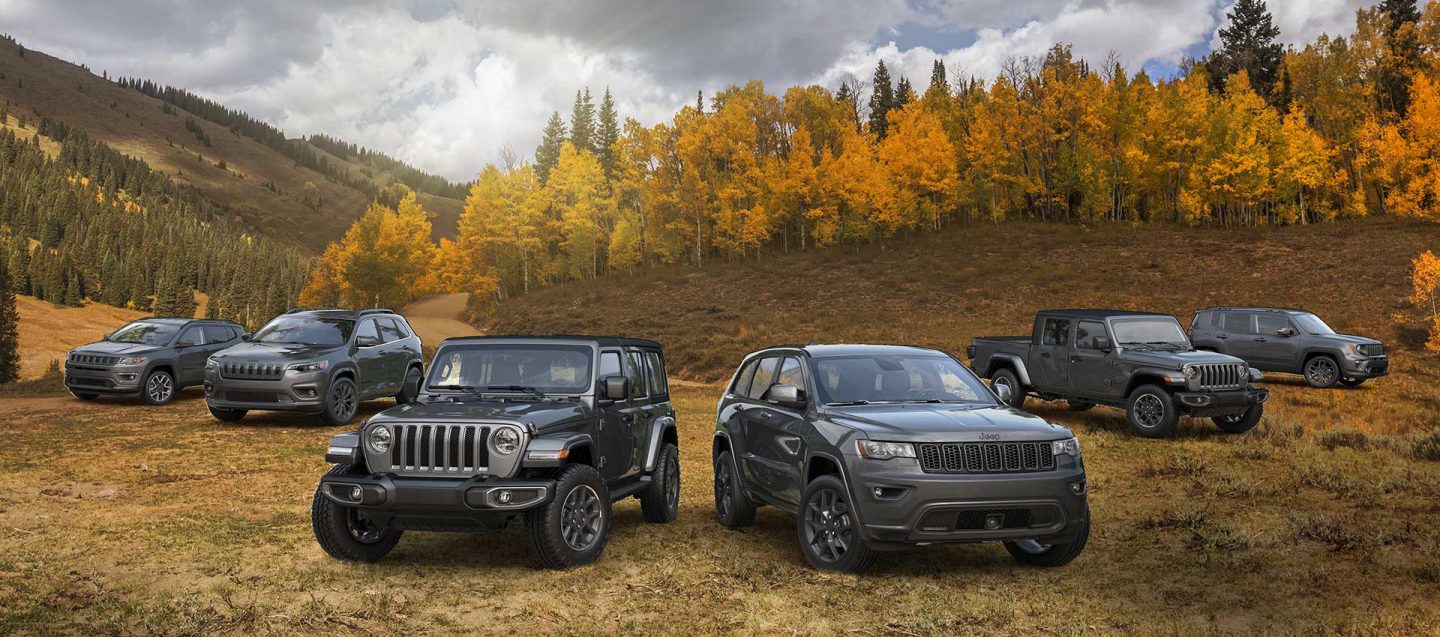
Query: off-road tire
x=333, y=411
x=1138, y=412
x=661, y=500
x=737, y=511
x=1057, y=554
x=331, y=522
x=84, y=396
x=228, y=415
x=1315, y=371
x=1005, y=375
x=164, y=397
x=1079, y=405
x=1241, y=423
x=543, y=525
x=1352, y=382
x=410, y=388
x=856, y=556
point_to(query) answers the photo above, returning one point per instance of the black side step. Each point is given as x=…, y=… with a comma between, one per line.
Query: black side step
x=625, y=491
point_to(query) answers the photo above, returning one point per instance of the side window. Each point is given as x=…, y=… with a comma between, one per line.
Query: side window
x=791, y=374
x=1056, y=332
x=635, y=371
x=389, y=330
x=1237, y=323
x=218, y=334
x=367, y=328
x=742, y=380
x=609, y=364
x=192, y=336
x=1212, y=319
x=658, y=385
x=764, y=377
x=1086, y=332
x=1270, y=324
x=401, y=327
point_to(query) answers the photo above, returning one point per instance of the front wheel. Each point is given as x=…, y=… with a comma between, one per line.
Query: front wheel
x=1241, y=422
x=159, y=388
x=1322, y=371
x=1151, y=412
x=341, y=401
x=347, y=533
x=227, y=415
x=829, y=531
x=571, y=529
x=1033, y=553
x=1007, y=378
x=661, y=500
x=410, y=389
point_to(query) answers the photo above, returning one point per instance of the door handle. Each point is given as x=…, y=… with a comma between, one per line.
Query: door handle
x=1260, y=339
x=790, y=443
x=1074, y=359
x=766, y=414
x=1044, y=354
x=1221, y=336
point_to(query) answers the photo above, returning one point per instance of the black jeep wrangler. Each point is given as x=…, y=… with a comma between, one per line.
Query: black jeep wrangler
x=545, y=431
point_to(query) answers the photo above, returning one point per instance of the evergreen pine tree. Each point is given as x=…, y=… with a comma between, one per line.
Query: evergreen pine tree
x=9, y=330
x=882, y=99
x=547, y=155
x=700, y=102
x=904, y=93
x=937, y=78
x=1248, y=44
x=582, y=122
x=18, y=262
x=607, y=134
x=1403, y=54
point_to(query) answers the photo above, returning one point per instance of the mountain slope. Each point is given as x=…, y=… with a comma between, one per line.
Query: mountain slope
x=266, y=190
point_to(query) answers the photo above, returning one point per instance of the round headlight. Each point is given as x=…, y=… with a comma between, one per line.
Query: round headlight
x=506, y=441
x=379, y=439
x=1190, y=371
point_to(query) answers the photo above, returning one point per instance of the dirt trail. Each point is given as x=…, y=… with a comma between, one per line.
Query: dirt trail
x=439, y=317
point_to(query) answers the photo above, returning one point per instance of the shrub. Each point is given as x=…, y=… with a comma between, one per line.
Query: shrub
x=1427, y=447
x=1333, y=439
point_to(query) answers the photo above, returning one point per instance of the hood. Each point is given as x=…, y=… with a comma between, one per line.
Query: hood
x=542, y=414
x=114, y=349
x=273, y=351
x=917, y=422
x=1173, y=360
x=1348, y=339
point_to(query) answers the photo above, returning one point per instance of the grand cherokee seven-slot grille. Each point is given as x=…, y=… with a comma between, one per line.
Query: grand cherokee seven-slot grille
x=986, y=457
x=1219, y=376
x=93, y=359
x=253, y=371
x=440, y=448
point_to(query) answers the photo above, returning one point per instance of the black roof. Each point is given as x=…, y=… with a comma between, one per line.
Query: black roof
x=1228, y=308
x=337, y=311
x=180, y=320
x=1101, y=314
x=614, y=341
x=851, y=349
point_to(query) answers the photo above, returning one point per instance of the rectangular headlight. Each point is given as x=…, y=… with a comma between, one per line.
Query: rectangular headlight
x=877, y=450
x=305, y=368
x=1067, y=447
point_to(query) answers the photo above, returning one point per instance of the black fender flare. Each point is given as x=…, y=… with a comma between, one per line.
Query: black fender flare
x=844, y=480
x=1017, y=363
x=553, y=450
x=657, y=434
x=1163, y=377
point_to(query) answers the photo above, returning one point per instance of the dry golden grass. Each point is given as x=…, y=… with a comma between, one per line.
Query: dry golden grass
x=116, y=518
x=48, y=331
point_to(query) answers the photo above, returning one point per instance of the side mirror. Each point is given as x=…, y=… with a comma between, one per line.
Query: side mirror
x=245, y=336
x=785, y=396
x=184, y=343
x=366, y=341
x=1003, y=392
x=1287, y=332
x=1102, y=343
x=615, y=387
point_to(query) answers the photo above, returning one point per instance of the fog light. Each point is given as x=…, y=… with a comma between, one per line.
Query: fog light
x=503, y=497
x=1078, y=488
x=357, y=494
x=879, y=493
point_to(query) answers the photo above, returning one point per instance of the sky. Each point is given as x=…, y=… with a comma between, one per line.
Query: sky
x=446, y=85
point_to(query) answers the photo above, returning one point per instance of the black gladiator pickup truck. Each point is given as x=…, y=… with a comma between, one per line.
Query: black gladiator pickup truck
x=1138, y=361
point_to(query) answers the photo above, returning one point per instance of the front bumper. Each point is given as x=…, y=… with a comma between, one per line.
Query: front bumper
x=437, y=504
x=1221, y=403
x=1366, y=367
x=292, y=392
x=95, y=379
x=900, y=505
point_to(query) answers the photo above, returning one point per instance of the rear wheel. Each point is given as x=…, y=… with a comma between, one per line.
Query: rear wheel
x=571, y=529
x=829, y=532
x=1241, y=422
x=732, y=507
x=1352, y=382
x=1151, y=412
x=227, y=415
x=661, y=500
x=1322, y=371
x=347, y=533
x=341, y=401
x=158, y=388
x=410, y=389
x=1033, y=553
x=1004, y=377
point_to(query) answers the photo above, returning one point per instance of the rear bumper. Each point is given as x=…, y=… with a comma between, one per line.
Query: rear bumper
x=303, y=392
x=437, y=503
x=1369, y=367
x=912, y=507
x=1221, y=403
x=89, y=379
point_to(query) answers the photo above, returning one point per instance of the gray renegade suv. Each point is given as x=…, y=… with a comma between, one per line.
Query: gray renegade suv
x=1291, y=342
x=151, y=358
x=323, y=361
x=882, y=447
x=547, y=431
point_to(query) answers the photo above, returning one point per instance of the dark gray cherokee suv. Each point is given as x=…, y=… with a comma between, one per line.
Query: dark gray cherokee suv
x=151, y=358
x=883, y=447
x=323, y=361
x=1291, y=342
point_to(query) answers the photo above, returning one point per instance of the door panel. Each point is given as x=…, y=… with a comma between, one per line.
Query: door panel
x=1050, y=355
x=190, y=359
x=1093, y=372
x=369, y=360
x=614, y=445
x=1274, y=352
x=758, y=471
x=641, y=412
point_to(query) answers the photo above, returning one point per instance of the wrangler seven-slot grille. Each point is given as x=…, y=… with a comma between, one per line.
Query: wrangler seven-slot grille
x=1218, y=376
x=440, y=448
x=986, y=457
x=253, y=371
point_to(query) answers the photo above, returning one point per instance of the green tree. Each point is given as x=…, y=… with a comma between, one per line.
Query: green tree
x=582, y=122
x=606, y=134
x=882, y=99
x=548, y=153
x=1248, y=44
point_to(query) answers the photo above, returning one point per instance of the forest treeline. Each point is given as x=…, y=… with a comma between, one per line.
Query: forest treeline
x=94, y=223
x=1254, y=134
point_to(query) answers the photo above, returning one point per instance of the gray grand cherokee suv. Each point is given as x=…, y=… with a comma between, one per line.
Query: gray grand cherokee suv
x=547, y=431
x=1291, y=342
x=323, y=361
x=878, y=447
x=151, y=358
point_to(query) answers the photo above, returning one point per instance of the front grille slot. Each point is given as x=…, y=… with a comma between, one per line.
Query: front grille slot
x=252, y=396
x=1222, y=376
x=94, y=359
x=1371, y=349
x=986, y=457
x=440, y=448
x=252, y=371
x=974, y=519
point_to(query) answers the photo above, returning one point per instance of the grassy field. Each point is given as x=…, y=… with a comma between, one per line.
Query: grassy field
x=49, y=331
x=116, y=518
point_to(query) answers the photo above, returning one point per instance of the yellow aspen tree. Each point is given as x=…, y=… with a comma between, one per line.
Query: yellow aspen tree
x=919, y=160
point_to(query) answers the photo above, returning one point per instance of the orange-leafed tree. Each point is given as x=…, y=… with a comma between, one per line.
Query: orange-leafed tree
x=381, y=260
x=920, y=162
x=1425, y=280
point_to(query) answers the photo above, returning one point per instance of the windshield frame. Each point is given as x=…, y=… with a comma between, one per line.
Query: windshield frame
x=257, y=336
x=592, y=369
x=1300, y=318
x=1115, y=322
x=985, y=397
x=160, y=327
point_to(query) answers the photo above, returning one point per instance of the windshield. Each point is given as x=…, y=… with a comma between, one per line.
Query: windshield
x=551, y=369
x=1313, y=325
x=305, y=330
x=145, y=333
x=917, y=378
x=1149, y=331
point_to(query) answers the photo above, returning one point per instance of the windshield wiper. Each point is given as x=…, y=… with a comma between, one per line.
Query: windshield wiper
x=845, y=403
x=522, y=388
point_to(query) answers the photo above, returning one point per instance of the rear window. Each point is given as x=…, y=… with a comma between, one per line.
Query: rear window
x=218, y=333
x=658, y=386
x=764, y=376
x=1236, y=322
x=742, y=380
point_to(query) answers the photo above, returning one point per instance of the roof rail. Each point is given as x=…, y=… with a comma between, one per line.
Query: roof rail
x=374, y=310
x=316, y=308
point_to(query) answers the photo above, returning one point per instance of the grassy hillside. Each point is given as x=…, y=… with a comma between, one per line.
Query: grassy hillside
x=942, y=290
x=41, y=341
x=265, y=189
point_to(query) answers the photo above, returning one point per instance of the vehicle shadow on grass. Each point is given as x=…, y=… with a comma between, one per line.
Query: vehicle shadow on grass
x=1112, y=420
x=294, y=419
